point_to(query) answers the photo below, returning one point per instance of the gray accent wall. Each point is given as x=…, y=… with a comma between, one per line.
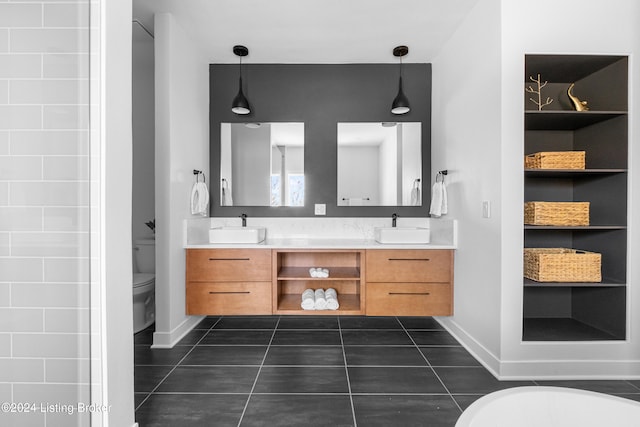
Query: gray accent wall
x=321, y=96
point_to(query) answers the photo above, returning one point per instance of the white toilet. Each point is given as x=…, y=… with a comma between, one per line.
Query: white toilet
x=144, y=284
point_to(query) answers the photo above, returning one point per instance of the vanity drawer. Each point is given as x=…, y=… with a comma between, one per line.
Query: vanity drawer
x=229, y=298
x=408, y=299
x=405, y=265
x=228, y=265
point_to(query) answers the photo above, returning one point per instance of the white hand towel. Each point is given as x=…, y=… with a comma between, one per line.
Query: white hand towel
x=415, y=196
x=308, y=299
x=438, y=199
x=199, y=199
x=324, y=272
x=332, y=299
x=321, y=301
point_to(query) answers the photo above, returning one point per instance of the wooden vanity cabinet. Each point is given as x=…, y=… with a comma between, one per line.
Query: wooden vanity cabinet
x=373, y=282
x=228, y=281
x=409, y=282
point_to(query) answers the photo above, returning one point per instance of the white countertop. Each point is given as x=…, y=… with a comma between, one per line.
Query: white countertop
x=320, y=233
x=316, y=243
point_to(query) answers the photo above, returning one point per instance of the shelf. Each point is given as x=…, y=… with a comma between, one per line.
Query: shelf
x=335, y=273
x=566, y=68
x=570, y=173
x=606, y=283
x=290, y=304
x=575, y=228
x=566, y=120
x=563, y=329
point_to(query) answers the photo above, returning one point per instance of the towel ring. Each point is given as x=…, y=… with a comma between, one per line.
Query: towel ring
x=197, y=173
x=441, y=174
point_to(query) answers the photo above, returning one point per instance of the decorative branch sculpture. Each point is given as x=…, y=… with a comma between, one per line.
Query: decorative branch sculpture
x=530, y=89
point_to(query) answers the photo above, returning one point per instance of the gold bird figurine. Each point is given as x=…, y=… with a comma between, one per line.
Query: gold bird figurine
x=577, y=104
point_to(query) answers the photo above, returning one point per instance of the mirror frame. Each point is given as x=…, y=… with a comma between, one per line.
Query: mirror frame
x=321, y=96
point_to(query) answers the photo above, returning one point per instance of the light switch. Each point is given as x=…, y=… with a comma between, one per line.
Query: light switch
x=486, y=209
x=320, y=209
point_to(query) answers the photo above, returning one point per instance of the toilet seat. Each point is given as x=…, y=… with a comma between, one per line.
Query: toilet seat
x=143, y=282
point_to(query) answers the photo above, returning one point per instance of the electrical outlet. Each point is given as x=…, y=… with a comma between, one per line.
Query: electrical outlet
x=486, y=209
x=320, y=209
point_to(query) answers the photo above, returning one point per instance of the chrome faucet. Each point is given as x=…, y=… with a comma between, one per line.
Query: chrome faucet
x=244, y=219
x=394, y=217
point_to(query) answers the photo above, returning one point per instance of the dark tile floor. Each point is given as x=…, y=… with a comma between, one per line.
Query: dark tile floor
x=317, y=371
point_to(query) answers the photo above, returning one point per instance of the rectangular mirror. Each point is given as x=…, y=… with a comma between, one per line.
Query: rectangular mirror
x=262, y=164
x=379, y=164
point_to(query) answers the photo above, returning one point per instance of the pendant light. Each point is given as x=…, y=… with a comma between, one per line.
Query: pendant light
x=400, y=103
x=240, y=104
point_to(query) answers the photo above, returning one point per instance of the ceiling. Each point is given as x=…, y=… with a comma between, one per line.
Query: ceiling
x=312, y=31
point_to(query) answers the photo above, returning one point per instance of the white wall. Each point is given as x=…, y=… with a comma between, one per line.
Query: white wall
x=143, y=122
x=603, y=27
x=358, y=174
x=182, y=144
x=411, y=160
x=466, y=141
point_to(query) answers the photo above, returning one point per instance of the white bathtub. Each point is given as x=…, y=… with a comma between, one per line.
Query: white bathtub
x=550, y=407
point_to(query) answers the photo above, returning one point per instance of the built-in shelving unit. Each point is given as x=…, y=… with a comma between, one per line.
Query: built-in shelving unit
x=580, y=311
x=292, y=277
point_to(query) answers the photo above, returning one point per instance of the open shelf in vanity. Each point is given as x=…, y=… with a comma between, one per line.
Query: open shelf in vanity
x=292, y=277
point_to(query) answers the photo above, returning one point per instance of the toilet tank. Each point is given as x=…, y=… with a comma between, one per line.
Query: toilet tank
x=145, y=255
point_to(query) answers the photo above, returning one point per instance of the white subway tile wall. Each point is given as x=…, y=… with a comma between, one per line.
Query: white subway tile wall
x=44, y=208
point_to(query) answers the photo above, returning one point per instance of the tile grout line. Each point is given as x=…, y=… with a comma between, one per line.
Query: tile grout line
x=346, y=371
x=255, y=381
x=430, y=367
x=175, y=365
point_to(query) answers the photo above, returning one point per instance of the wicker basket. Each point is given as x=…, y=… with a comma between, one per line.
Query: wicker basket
x=562, y=265
x=556, y=213
x=555, y=160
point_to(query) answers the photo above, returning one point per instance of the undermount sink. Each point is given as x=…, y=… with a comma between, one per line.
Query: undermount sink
x=237, y=234
x=402, y=235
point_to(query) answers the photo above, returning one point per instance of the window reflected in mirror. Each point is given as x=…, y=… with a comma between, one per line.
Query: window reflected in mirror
x=380, y=164
x=262, y=164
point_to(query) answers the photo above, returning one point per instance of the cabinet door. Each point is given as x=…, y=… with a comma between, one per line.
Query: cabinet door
x=409, y=299
x=228, y=265
x=409, y=265
x=229, y=298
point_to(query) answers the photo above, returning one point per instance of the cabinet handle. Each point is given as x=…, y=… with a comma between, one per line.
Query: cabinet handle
x=409, y=293
x=409, y=259
x=229, y=259
x=228, y=292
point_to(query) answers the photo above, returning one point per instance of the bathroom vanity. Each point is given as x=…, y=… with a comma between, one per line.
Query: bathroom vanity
x=370, y=278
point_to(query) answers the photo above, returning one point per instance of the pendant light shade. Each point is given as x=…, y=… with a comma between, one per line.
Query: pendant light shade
x=400, y=103
x=240, y=104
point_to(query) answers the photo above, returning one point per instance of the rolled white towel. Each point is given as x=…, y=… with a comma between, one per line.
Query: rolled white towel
x=332, y=299
x=321, y=301
x=313, y=272
x=308, y=299
x=324, y=272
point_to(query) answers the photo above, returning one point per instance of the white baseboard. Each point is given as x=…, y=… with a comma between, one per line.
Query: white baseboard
x=477, y=350
x=542, y=369
x=169, y=339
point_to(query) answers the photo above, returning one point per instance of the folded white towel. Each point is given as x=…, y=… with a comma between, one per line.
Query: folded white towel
x=438, y=199
x=321, y=301
x=199, y=199
x=318, y=272
x=332, y=299
x=308, y=300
